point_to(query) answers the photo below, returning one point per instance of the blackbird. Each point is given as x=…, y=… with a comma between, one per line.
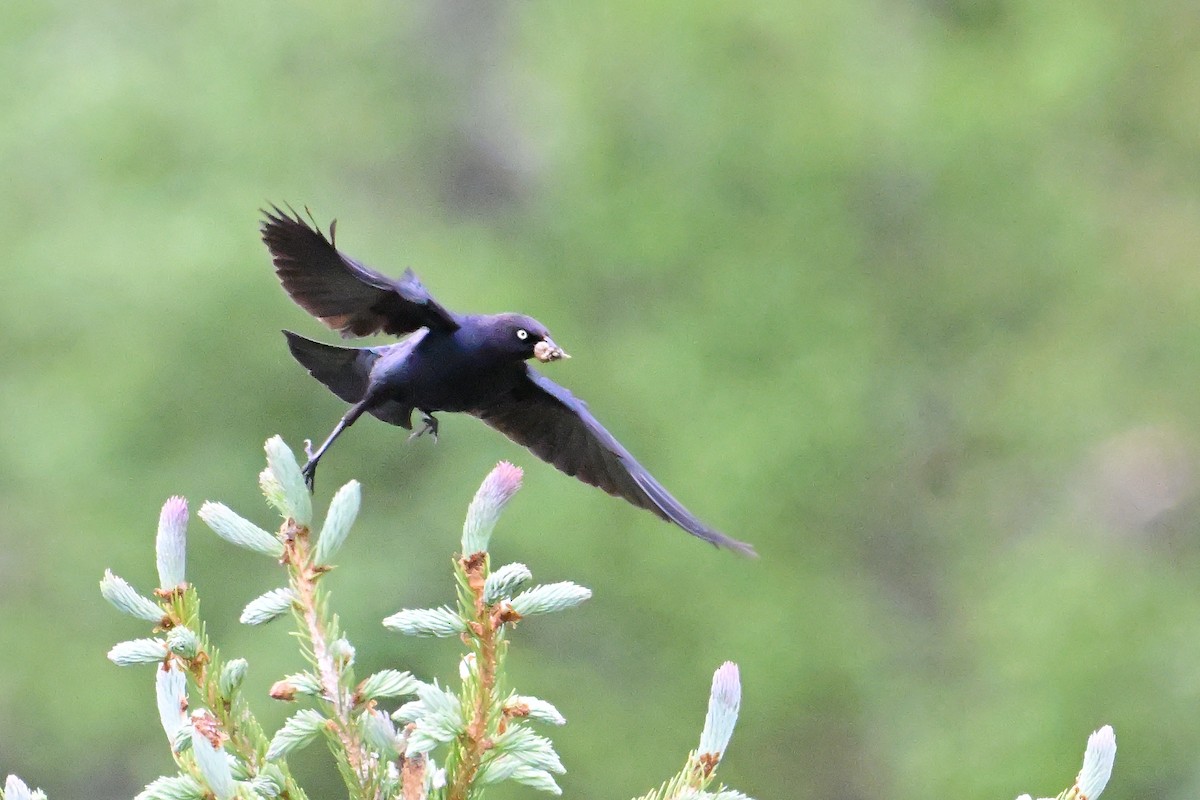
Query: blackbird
x=474, y=363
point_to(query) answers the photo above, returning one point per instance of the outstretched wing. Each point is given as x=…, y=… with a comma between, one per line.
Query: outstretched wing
x=345, y=295
x=558, y=428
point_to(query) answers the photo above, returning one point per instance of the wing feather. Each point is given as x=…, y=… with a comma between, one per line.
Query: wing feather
x=558, y=428
x=344, y=294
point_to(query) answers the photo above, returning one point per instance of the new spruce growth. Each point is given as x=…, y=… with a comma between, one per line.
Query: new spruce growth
x=392, y=735
x=1097, y=767
x=439, y=741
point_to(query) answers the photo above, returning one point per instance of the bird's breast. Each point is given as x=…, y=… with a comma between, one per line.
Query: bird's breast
x=447, y=379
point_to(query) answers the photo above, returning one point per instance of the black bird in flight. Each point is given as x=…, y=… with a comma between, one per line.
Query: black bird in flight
x=449, y=362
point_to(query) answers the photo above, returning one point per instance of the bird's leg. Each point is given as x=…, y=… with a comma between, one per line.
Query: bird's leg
x=429, y=425
x=309, y=470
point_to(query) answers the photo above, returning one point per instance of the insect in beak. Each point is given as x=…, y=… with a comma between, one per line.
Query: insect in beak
x=546, y=351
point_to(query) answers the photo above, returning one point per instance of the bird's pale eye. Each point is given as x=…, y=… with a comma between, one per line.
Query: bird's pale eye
x=522, y=334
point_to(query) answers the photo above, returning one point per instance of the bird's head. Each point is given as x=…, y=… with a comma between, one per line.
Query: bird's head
x=525, y=338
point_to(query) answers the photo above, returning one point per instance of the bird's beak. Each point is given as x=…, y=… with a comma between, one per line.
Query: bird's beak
x=546, y=351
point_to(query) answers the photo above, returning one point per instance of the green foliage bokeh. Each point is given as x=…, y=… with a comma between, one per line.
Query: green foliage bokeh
x=903, y=293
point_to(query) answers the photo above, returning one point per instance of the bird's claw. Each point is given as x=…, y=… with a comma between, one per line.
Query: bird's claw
x=429, y=425
x=309, y=470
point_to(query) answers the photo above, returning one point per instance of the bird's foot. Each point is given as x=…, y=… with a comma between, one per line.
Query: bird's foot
x=429, y=425
x=309, y=470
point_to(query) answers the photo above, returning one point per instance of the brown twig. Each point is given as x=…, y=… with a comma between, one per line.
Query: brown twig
x=412, y=777
x=303, y=578
x=476, y=741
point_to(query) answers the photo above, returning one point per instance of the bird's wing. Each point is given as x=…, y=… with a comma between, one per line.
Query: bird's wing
x=345, y=295
x=558, y=428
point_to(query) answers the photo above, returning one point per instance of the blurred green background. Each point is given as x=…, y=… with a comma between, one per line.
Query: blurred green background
x=905, y=293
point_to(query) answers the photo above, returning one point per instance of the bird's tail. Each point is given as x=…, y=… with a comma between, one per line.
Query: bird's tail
x=345, y=370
